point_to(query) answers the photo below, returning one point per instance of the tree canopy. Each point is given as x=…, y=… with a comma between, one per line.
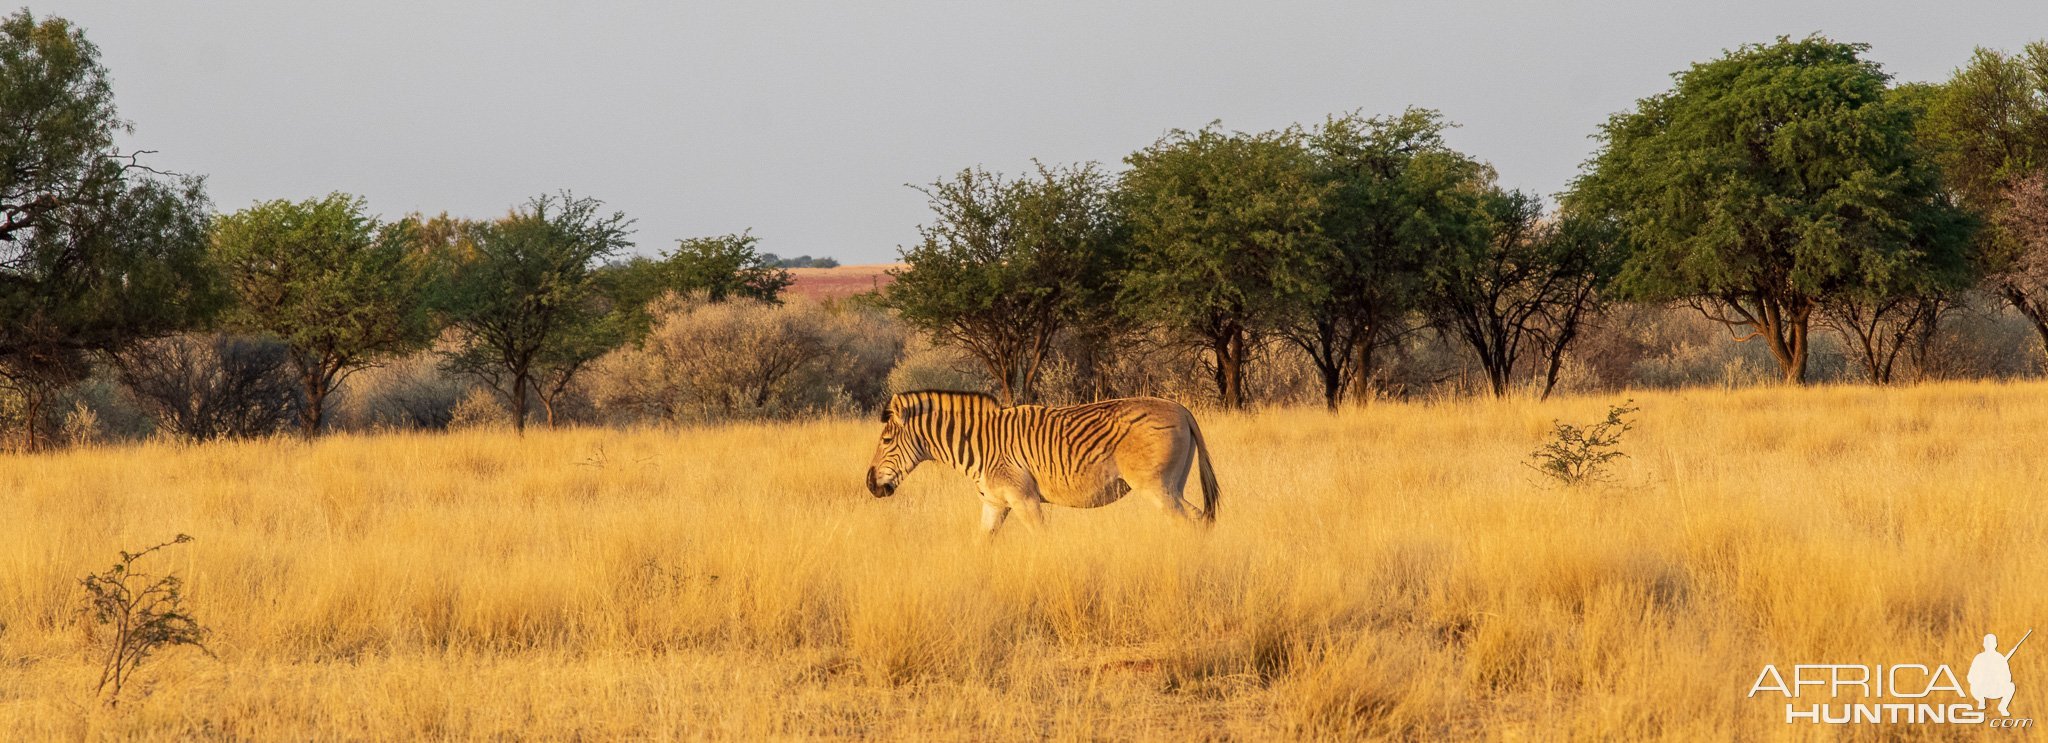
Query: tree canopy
x=96, y=248
x=341, y=289
x=1767, y=180
x=526, y=305
x=1398, y=199
x=1226, y=239
x=1009, y=263
x=1988, y=128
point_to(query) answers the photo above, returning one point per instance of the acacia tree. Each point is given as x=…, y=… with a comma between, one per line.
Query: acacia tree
x=1398, y=199
x=1883, y=325
x=717, y=268
x=340, y=289
x=527, y=303
x=1008, y=264
x=1766, y=181
x=1583, y=254
x=1988, y=128
x=96, y=249
x=2023, y=269
x=722, y=267
x=1226, y=240
x=1526, y=283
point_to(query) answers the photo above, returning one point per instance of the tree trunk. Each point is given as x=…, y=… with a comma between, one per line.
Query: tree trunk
x=1496, y=373
x=1551, y=369
x=1333, y=386
x=1923, y=339
x=1361, y=372
x=2029, y=310
x=33, y=399
x=310, y=416
x=2041, y=327
x=1795, y=366
x=1330, y=358
x=1000, y=372
x=1784, y=328
x=313, y=378
x=1027, y=383
x=1867, y=342
x=519, y=384
x=1229, y=351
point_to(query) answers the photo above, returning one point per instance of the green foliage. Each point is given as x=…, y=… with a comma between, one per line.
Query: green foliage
x=141, y=614
x=527, y=301
x=1988, y=128
x=1226, y=239
x=1767, y=180
x=340, y=289
x=1526, y=283
x=722, y=267
x=1400, y=200
x=1007, y=264
x=802, y=261
x=1988, y=125
x=715, y=268
x=96, y=249
x=1579, y=455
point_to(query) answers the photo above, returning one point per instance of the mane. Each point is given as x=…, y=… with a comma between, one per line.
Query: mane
x=910, y=399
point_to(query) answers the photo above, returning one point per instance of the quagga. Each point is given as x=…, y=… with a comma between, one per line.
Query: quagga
x=1081, y=456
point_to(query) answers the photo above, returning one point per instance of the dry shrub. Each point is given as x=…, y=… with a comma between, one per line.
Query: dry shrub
x=94, y=411
x=205, y=387
x=744, y=359
x=413, y=392
x=1628, y=346
x=1983, y=338
x=1653, y=346
x=481, y=409
x=927, y=366
x=82, y=426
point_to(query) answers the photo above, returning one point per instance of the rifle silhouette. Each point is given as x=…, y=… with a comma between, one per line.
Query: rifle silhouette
x=2016, y=645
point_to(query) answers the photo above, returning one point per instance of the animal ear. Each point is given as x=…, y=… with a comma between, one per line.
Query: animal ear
x=885, y=415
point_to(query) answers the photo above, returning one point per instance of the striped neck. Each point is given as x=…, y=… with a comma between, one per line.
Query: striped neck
x=946, y=424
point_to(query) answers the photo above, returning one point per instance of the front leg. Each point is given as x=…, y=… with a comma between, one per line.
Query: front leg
x=992, y=515
x=1017, y=491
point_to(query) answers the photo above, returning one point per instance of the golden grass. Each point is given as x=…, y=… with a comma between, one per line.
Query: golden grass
x=1386, y=572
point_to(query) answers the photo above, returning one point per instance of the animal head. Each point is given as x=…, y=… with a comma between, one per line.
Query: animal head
x=898, y=452
x=908, y=430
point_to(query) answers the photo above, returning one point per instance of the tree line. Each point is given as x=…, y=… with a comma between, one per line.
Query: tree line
x=99, y=251
x=1775, y=189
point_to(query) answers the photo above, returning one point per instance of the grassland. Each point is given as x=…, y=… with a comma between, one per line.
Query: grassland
x=1388, y=572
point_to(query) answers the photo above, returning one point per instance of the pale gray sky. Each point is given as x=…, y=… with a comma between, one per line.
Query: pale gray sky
x=803, y=120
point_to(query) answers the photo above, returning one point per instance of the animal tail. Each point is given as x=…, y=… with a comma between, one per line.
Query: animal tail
x=1210, y=494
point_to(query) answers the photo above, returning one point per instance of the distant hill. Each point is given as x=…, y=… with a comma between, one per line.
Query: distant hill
x=839, y=281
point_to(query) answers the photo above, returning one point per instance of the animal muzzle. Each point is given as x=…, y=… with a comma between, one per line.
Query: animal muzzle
x=880, y=489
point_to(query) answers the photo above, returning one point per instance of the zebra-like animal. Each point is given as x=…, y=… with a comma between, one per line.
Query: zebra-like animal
x=1081, y=456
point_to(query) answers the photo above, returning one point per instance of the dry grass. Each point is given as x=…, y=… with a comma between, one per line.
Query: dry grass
x=1388, y=572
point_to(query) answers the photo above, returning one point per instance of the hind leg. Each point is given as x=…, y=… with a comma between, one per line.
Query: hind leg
x=1158, y=467
x=1166, y=495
